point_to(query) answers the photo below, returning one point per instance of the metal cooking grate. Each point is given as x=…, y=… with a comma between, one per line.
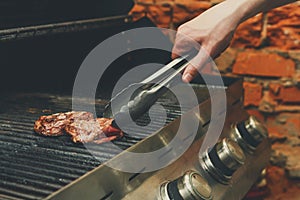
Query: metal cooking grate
x=33, y=166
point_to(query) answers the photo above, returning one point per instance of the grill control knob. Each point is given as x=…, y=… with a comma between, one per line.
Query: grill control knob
x=249, y=134
x=191, y=186
x=223, y=160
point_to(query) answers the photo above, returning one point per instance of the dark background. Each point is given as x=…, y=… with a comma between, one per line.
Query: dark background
x=49, y=63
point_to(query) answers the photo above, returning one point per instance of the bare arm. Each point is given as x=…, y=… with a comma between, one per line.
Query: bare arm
x=214, y=29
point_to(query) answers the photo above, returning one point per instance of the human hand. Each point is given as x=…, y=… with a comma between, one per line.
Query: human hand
x=209, y=34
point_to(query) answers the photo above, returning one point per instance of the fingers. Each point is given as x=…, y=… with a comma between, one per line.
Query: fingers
x=183, y=45
x=181, y=48
x=186, y=42
x=189, y=73
x=195, y=66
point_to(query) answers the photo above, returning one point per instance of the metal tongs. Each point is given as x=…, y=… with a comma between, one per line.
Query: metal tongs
x=144, y=94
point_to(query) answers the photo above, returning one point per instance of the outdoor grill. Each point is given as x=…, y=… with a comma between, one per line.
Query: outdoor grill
x=40, y=56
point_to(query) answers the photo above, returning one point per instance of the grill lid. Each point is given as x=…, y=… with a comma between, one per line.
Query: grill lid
x=16, y=13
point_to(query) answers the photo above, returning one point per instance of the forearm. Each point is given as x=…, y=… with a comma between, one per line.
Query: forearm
x=234, y=12
x=214, y=29
x=246, y=9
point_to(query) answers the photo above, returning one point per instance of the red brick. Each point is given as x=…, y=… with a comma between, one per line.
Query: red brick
x=287, y=108
x=287, y=124
x=145, y=1
x=160, y=14
x=281, y=187
x=274, y=88
x=256, y=114
x=252, y=93
x=292, y=166
x=216, y=1
x=283, y=28
x=267, y=103
x=190, y=2
x=294, y=54
x=185, y=10
x=297, y=78
x=286, y=94
x=138, y=11
x=226, y=60
x=248, y=33
x=263, y=64
x=276, y=136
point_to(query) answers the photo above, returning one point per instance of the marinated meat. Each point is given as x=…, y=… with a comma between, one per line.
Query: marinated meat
x=105, y=125
x=82, y=126
x=96, y=131
x=54, y=125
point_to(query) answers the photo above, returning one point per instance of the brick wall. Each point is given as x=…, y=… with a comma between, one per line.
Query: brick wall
x=266, y=52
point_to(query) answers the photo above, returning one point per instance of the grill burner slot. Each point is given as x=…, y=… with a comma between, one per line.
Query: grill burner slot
x=236, y=102
x=206, y=123
x=136, y=174
x=108, y=195
x=165, y=153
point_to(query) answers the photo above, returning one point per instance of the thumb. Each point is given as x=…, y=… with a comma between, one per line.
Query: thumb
x=195, y=65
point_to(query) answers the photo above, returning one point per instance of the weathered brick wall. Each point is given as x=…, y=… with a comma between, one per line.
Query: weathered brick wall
x=266, y=52
x=170, y=13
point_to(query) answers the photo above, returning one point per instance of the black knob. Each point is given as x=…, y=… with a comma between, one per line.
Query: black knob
x=191, y=186
x=249, y=134
x=223, y=160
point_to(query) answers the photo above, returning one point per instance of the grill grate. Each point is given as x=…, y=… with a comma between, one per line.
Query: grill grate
x=33, y=166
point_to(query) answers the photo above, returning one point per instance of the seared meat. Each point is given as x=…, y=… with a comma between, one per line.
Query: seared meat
x=82, y=126
x=54, y=125
x=105, y=125
x=96, y=131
